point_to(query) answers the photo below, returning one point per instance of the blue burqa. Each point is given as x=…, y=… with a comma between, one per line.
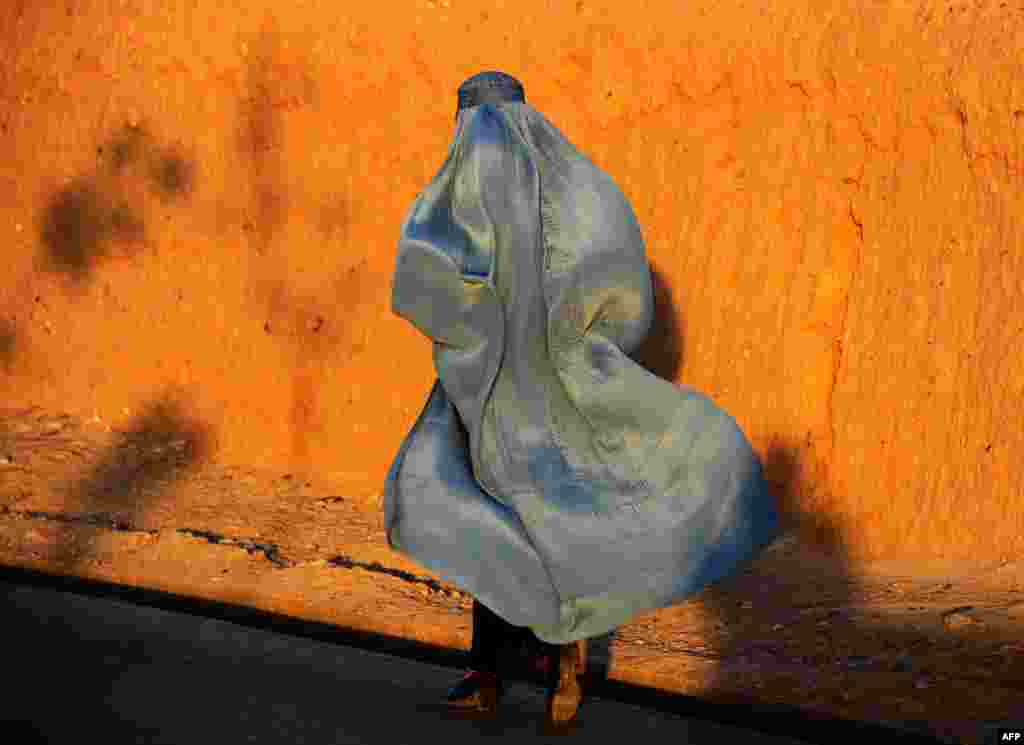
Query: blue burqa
x=550, y=476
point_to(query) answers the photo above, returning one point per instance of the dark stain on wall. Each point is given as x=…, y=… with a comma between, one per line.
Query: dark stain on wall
x=302, y=322
x=125, y=147
x=159, y=447
x=73, y=228
x=163, y=421
x=82, y=221
x=261, y=139
x=173, y=175
x=168, y=170
x=334, y=218
x=314, y=326
x=76, y=225
x=8, y=341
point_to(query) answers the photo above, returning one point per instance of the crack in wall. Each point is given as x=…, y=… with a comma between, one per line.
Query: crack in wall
x=800, y=86
x=378, y=568
x=840, y=339
x=959, y=108
x=870, y=143
x=965, y=143
x=858, y=224
x=855, y=182
x=978, y=153
x=103, y=520
x=270, y=551
x=99, y=519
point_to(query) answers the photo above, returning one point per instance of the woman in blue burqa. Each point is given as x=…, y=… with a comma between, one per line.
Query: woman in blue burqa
x=557, y=481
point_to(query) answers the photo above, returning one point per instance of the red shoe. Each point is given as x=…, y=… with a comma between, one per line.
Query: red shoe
x=478, y=691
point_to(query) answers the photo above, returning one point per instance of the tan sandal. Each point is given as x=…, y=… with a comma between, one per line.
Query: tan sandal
x=477, y=691
x=566, y=694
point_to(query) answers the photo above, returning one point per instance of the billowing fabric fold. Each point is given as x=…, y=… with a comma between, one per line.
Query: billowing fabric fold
x=549, y=475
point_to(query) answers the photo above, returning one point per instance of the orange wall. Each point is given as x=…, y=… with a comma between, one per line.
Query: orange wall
x=201, y=204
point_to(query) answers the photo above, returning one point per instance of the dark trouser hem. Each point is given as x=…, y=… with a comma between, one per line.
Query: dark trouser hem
x=494, y=638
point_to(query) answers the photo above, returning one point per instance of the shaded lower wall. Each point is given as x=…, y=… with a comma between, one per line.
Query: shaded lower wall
x=200, y=205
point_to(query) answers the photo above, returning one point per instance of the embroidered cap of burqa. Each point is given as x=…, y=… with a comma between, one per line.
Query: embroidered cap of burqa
x=549, y=475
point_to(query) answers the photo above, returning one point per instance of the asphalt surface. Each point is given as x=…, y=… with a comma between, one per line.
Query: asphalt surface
x=95, y=664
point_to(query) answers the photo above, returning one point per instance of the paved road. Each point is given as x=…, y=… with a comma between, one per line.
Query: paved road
x=83, y=667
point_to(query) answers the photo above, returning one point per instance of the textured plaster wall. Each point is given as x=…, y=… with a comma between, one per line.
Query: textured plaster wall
x=201, y=200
